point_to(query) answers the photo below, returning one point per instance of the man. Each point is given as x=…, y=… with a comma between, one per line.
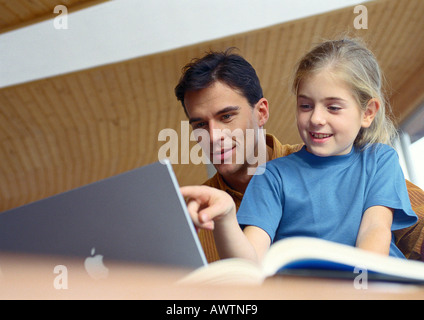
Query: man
x=221, y=93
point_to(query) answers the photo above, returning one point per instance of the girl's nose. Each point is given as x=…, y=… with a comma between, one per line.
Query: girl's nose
x=318, y=117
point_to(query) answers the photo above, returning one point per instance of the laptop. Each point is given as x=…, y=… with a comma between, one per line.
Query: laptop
x=138, y=217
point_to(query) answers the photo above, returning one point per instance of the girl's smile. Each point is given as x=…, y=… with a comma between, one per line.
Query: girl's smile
x=320, y=137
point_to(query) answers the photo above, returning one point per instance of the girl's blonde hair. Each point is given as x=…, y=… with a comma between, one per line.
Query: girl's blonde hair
x=357, y=66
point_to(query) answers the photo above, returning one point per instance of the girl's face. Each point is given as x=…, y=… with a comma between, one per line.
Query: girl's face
x=328, y=116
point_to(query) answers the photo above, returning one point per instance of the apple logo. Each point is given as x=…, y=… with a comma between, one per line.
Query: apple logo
x=95, y=267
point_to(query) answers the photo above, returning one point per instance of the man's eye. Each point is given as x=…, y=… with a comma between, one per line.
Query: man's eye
x=226, y=117
x=200, y=125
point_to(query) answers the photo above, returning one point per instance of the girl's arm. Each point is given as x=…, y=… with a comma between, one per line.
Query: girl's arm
x=213, y=209
x=375, y=231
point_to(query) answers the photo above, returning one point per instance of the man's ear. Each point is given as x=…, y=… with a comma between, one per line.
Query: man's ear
x=370, y=113
x=262, y=112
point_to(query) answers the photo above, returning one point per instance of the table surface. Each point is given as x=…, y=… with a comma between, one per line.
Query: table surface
x=31, y=277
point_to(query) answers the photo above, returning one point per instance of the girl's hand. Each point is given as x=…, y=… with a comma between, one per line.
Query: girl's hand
x=208, y=205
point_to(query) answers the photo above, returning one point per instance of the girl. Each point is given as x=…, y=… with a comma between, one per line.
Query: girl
x=345, y=185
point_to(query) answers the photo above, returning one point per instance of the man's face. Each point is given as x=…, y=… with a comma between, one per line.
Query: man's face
x=225, y=115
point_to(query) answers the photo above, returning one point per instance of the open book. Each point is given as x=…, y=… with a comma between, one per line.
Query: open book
x=310, y=257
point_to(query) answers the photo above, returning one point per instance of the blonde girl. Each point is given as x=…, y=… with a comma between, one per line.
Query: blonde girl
x=345, y=185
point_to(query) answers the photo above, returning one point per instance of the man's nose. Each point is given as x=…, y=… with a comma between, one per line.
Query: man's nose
x=216, y=132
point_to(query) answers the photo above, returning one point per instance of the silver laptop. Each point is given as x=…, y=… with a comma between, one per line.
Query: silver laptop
x=138, y=217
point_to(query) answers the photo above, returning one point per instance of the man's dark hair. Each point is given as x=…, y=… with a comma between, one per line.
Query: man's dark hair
x=226, y=67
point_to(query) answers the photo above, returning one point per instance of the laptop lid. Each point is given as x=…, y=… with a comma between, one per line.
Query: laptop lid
x=138, y=216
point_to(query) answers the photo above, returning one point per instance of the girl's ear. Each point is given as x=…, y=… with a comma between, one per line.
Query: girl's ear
x=370, y=112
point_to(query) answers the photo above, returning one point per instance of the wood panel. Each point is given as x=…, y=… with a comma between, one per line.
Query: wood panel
x=19, y=13
x=64, y=132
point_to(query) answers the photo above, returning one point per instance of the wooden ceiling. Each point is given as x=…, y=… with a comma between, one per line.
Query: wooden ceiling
x=18, y=13
x=60, y=133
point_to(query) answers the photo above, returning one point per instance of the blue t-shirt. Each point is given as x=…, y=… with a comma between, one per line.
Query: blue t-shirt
x=326, y=197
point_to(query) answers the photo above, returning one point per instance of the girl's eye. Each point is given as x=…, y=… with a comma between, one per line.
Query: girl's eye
x=334, y=108
x=305, y=107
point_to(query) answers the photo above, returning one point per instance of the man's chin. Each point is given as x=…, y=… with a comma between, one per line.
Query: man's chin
x=227, y=169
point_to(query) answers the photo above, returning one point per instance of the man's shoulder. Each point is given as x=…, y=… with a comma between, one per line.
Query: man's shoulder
x=289, y=149
x=280, y=150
